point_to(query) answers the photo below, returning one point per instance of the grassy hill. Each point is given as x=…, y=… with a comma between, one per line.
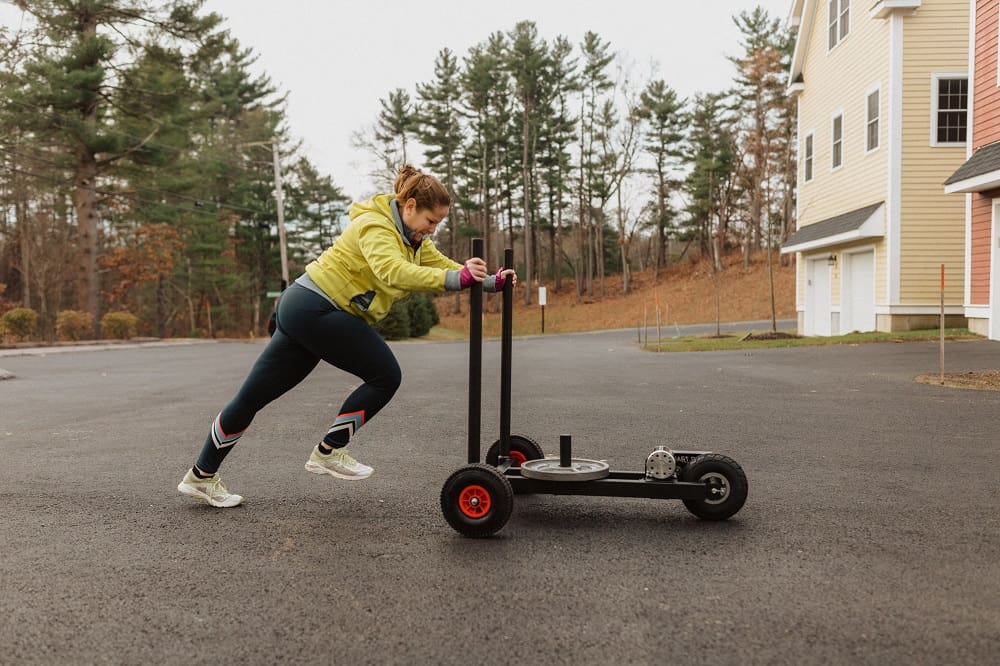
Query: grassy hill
x=686, y=293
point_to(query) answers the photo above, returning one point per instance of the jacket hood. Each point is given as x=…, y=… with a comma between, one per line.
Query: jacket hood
x=378, y=204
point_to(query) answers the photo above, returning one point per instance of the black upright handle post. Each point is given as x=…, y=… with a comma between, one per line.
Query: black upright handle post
x=506, y=347
x=565, y=451
x=475, y=359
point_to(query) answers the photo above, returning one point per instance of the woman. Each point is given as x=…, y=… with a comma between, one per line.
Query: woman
x=384, y=254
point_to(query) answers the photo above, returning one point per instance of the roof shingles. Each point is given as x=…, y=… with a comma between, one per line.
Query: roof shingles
x=832, y=226
x=983, y=161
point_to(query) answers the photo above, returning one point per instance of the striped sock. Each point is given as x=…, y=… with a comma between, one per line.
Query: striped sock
x=343, y=429
x=217, y=446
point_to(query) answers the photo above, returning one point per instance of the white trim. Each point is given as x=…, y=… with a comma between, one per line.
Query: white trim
x=798, y=199
x=794, y=18
x=935, y=82
x=967, y=269
x=977, y=311
x=986, y=181
x=875, y=88
x=883, y=8
x=839, y=113
x=811, y=134
x=972, y=78
x=873, y=227
x=969, y=150
x=895, y=161
x=803, y=12
x=992, y=320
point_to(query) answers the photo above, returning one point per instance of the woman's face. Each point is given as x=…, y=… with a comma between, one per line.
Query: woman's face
x=421, y=221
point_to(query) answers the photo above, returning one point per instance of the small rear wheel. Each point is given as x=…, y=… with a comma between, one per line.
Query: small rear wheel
x=477, y=500
x=726, y=486
x=521, y=449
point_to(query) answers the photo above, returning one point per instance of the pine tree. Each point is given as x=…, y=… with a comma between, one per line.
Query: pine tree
x=665, y=120
x=316, y=207
x=711, y=184
x=69, y=87
x=768, y=135
x=438, y=127
x=760, y=94
x=480, y=79
x=556, y=135
x=594, y=83
x=527, y=61
x=396, y=122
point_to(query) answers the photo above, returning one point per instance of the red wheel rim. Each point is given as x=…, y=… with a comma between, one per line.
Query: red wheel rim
x=474, y=501
x=518, y=458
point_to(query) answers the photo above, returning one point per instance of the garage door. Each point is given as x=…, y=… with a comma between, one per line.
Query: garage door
x=858, y=292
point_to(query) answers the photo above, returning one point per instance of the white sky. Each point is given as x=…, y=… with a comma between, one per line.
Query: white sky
x=336, y=60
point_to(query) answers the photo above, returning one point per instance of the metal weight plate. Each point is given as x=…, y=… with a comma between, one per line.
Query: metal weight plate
x=549, y=469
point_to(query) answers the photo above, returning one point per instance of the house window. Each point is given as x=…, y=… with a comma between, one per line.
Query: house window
x=807, y=160
x=871, y=126
x=837, y=143
x=951, y=108
x=840, y=20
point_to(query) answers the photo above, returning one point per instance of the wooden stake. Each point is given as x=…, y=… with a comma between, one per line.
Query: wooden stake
x=658, y=334
x=941, y=362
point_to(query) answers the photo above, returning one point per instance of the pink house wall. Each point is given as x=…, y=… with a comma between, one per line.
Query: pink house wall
x=985, y=130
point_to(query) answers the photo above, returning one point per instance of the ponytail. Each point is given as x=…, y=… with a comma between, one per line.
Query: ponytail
x=412, y=183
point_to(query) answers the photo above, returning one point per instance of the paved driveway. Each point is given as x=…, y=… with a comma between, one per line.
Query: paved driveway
x=870, y=535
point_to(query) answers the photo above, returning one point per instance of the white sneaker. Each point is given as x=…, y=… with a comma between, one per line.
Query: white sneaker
x=211, y=491
x=339, y=464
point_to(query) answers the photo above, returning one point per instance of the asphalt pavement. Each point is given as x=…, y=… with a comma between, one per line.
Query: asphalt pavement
x=870, y=535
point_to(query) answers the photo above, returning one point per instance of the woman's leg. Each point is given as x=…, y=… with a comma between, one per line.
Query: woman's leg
x=348, y=343
x=283, y=364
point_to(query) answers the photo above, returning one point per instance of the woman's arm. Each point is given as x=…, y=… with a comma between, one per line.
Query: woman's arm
x=431, y=256
x=380, y=246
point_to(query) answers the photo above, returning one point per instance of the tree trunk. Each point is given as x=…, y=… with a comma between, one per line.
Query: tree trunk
x=600, y=258
x=556, y=250
x=528, y=223
x=24, y=230
x=85, y=200
x=85, y=203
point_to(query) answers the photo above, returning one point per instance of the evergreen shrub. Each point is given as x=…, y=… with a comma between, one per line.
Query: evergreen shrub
x=423, y=314
x=396, y=325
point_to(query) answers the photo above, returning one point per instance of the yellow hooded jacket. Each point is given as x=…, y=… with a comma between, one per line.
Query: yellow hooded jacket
x=372, y=264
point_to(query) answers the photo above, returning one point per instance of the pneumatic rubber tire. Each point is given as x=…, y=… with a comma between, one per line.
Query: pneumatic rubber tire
x=727, y=484
x=477, y=500
x=521, y=449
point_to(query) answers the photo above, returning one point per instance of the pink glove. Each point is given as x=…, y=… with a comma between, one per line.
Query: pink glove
x=465, y=278
x=501, y=280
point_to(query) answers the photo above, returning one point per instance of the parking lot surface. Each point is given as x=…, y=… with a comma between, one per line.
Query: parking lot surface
x=870, y=534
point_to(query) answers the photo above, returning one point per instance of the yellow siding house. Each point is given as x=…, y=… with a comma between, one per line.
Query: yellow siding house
x=882, y=95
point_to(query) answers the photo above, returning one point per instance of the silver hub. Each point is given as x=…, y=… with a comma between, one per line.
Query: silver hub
x=718, y=487
x=660, y=464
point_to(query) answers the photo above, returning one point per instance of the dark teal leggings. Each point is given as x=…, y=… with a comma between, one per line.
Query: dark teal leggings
x=309, y=329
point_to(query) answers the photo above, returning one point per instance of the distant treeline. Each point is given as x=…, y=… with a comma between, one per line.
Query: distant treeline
x=138, y=158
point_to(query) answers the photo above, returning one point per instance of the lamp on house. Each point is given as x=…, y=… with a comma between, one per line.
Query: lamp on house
x=831, y=260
